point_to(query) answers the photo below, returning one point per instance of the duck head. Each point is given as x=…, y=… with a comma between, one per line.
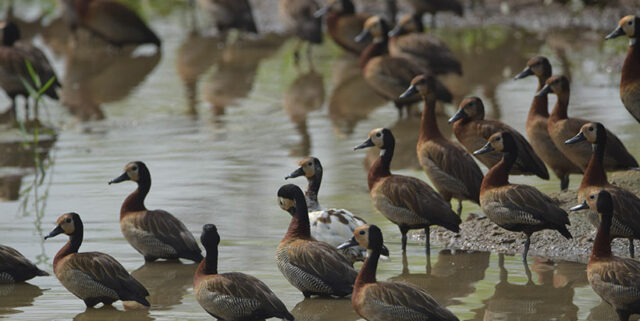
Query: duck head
x=429, y=87
x=538, y=66
x=629, y=26
x=290, y=197
x=210, y=237
x=593, y=132
x=407, y=24
x=309, y=167
x=367, y=236
x=470, y=108
x=375, y=27
x=10, y=33
x=69, y=224
x=379, y=137
x=499, y=142
x=134, y=171
x=556, y=84
x=339, y=6
x=600, y=201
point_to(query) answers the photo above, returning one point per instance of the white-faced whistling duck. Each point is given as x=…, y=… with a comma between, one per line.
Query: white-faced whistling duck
x=473, y=131
x=451, y=169
x=406, y=201
x=381, y=301
x=230, y=14
x=344, y=24
x=537, y=123
x=561, y=128
x=616, y=280
x=434, y=6
x=94, y=277
x=626, y=215
x=515, y=207
x=313, y=267
x=299, y=15
x=156, y=234
x=110, y=21
x=232, y=296
x=14, y=267
x=630, y=81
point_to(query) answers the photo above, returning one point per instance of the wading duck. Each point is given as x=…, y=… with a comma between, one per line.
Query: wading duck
x=626, y=215
x=537, y=122
x=299, y=15
x=515, y=207
x=630, y=81
x=381, y=301
x=230, y=14
x=344, y=24
x=156, y=234
x=14, y=267
x=473, y=131
x=562, y=128
x=450, y=168
x=94, y=277
x=406, y=201
x=616, y=280
x=232, y=296
x=313, y=267
x=434, y=6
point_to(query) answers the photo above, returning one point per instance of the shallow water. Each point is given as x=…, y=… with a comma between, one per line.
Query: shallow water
x=220, y=126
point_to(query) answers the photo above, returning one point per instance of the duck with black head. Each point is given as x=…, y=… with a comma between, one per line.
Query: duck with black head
x=94, y=277
x=230, y=14
x=156, y=234
x=630, y=79
x=344, y=24
x=232, y=296
x=313, y=267
x=14, y=267
x=434, y=6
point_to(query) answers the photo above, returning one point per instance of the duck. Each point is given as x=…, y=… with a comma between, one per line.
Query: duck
x=390, y=76
x=451, y=169
x=109, y=20
x=517, y=207
x=232, y=296
x=380, y=301
x=472, y=130
x=230, y=14
x=406, y=201
x=630, y=79
x=156, y=234
x=537, y=121
x=13, y=68
x=313, y=267
x=94, y=277
x=616, y=280
x=434, y=6
x=344, y=24
x=626, y=215
x=299, y=16
x=14, y=267
x=407, y=40
x=561, y=128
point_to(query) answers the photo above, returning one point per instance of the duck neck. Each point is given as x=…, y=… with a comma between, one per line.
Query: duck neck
x=299, y=227
x=595, y=174
x=602, y=244
x=208, y=266
x=135, y=201
x=540, y=104
x=562, y=105
x=377, y=48
x=72, y=246
x=381, y=167
x=631, y=67
x=498, y=175
x=367, y=272
x=428, y=125
x=311, y=193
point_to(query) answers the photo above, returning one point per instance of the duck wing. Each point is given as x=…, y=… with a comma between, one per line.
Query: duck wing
x=401, y=296
x=171, y=231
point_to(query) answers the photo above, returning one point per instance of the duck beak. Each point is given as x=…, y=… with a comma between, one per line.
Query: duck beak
x=364, y=35
x=320, y=13
x=544, y=91
x=582, y=206
x=578, y=138
x=409, y=92
x=395, y=31
x=121, y=178
x=525, y=73
x=616, y=33
x=487, y=148
x=350, y=243
x=385, y=251
x=367, y=143
x=459, y=115
x=297, y=173
x=56, y=231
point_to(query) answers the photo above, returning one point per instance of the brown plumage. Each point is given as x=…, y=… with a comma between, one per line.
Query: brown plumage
x=232, y=296
x=450, y=168
x=434, y=6
x=406, y=201
x=561, y=128
x=109, y=20
x=473, y=131
x=514, y=207
x=313, y=267
x=14, y=267
x=230, y=14
x=344, y=24
x=94, y=277
x=630, y=79
x=537, y=121
x=155, y=234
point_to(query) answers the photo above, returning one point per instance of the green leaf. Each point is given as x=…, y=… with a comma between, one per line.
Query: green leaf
x=33, y=74
x=46, y=86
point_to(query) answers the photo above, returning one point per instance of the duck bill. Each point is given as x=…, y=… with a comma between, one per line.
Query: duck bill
x=577, y=138
x=582, y=206
x=412, y=90
x=524, y=74
x=297, y=173
x=544, y=91
x=321, y=12
x=350, y=243
x=395, y=31
x=363, y=36
x=121, y=178
x=56, y=231
x=615, y=34
x=366, y=144
x=459, y=115
x=486, y=149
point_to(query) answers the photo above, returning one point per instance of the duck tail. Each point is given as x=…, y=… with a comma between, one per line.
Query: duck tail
x=42, y=273
x=564, y=231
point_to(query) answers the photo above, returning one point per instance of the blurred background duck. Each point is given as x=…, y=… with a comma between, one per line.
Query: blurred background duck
x=421, y=7
x=230, y=14
x=300, y=19
x=14, y=267
x=344, y=24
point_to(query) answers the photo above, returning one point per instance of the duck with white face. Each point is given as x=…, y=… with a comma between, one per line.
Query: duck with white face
x=630, y=80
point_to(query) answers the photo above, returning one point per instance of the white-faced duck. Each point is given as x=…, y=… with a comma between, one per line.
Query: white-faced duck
x=434, y=6
x=382, y=301
x=313, y=267
x=232, y=296
x=626, y=215
x=562, y=128
x=406, y=201
x=630, y=80
x=94, y=277
x=515, y=207
x=156, y=234
x=473, y=131
x=230, y=14
x=14, y=267
x=616, y=280
x=451, y=169
x=537, y=124
x=344, y=24
x=299, y=16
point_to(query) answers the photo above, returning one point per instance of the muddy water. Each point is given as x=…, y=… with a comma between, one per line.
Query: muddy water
x=220, y=125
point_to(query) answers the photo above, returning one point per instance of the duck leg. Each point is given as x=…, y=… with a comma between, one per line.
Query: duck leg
x=433, y=20
x=427, y=245
x=459, y=207
x=527, y=243
x=623, y=315
x=296, y=53
x=632, y=248
x=310, y=57
x=564, y=182
x=403, y=231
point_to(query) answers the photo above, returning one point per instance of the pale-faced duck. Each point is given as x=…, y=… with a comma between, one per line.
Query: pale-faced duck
x=630, y=81
x=344, y=24
x=230, y=14
x=299, y=16
x=14, y=267
x=434, y=6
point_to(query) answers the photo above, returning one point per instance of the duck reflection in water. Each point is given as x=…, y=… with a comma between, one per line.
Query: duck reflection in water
x=167, y=281
x=605, y=312
x=322, y=308
x=17, y=295
x=304, y=95
x=109, y=312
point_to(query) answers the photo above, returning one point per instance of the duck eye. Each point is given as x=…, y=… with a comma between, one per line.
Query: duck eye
x=68, y=220
x=592, y=197
x=498, y=139
x=630, y=22
x=134, y=168
x=378, y=135
x=309, y=164
x=361, y=232
x=590, y=129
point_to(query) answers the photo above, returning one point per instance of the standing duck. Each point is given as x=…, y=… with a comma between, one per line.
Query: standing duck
x=232, y=296
x=14, y=267
x=616, y=280
x=94, y=277
x=156, y=234
x=626, y=215
x=630, y=81
x=472, y=131
x=313, y=267
x=381, y=301
x=537, y=122
x=299, y=15
x=434, y=6
x=406, y=201
x=450, y=168
x=515, y=207
x=562, y=128
x=230, y=14
x=344, y=24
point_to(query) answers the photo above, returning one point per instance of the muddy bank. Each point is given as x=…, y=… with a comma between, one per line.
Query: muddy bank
x=480, y=234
